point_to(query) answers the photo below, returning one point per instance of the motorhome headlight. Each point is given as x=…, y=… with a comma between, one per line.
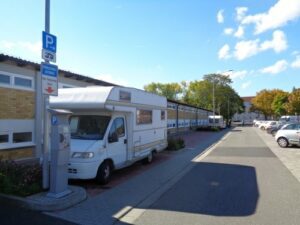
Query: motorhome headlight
x=83, y=155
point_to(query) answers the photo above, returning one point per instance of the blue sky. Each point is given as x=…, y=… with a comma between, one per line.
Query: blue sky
x=136, y=42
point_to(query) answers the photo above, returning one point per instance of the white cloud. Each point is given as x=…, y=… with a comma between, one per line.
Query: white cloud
x=33, y=47
x=224, y=52
x=295, y=53
x=278, y=43
x=111, y=79
x=238, y=74
x=296, y=62
x=7, y=44
x=240, y=32
x=220, y=17
x=246, y=84
x=278, y=67
x=240, y=13
x=228, y=31
x=246, y=49
x=277, y=16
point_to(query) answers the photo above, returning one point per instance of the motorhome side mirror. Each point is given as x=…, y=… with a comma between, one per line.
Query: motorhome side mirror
x=113, y=137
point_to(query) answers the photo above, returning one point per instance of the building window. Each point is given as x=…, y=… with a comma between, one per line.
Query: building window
x=4, y=138
x=144, y=116
x=23, y=82
x=16, y=81
x=4, y=79
x=22, y=137
x=16, y=133
x=162, y=114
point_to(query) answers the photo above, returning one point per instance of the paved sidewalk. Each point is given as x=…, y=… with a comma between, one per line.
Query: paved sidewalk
x=290, y=156
x=106, y=207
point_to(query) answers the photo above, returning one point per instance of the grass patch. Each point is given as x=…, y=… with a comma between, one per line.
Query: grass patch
x=175, y=144
x=19, y=179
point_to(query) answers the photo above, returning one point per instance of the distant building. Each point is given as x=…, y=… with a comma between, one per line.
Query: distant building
x=248, y=116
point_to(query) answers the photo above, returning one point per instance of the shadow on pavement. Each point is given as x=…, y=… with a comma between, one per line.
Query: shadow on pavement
x=13, y=214
x=214, y=189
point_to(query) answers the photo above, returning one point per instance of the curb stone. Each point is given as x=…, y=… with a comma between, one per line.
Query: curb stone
x=40, y=202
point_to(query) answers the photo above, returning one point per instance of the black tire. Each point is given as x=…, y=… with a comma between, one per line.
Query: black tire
x=273, y=132
x=104, y=173
x=282, y=142
x=149, y=158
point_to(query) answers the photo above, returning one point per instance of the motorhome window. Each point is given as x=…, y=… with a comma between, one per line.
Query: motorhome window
x=120, y=128
x=211, y=120
x=125, y=96
x=162, y=115
x=144, y=116
x=88, y=127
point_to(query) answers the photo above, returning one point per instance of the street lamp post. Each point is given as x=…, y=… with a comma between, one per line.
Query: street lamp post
x=214, y=103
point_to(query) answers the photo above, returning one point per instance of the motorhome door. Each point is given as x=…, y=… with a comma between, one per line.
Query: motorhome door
x=117, y=141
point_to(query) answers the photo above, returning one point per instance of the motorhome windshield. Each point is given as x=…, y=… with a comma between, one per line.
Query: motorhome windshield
x=88, y=127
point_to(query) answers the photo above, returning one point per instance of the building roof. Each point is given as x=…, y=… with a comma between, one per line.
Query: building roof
x=24, y=63
x=248, y=98
x=185, y=104
x=36, y=66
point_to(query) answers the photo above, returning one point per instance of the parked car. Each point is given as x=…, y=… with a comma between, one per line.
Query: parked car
x=289, y=134
x=273, y=129
x=257, y=123
x=263, y=125
x=270, y=124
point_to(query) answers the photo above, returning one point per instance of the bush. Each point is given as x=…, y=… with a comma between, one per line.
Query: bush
x=215, y=129
x=175, y=144
x=20, y=179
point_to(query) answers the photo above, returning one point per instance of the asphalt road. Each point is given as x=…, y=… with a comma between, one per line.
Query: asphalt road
x=12, y=214
x=240, y=182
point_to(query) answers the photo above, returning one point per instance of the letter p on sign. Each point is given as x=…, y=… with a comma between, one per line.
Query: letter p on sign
x=49, y=42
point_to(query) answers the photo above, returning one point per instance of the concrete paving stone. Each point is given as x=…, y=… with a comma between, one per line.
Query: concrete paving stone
x=290, y=156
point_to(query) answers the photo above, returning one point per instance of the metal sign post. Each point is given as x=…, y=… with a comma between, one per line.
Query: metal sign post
x=49, y=85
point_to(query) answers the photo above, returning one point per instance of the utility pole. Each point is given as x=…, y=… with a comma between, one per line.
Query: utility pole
x=214, y=102
x=45, y=109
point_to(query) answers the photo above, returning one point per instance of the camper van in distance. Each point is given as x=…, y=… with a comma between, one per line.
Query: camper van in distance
x=216, y=121
x=111, y=128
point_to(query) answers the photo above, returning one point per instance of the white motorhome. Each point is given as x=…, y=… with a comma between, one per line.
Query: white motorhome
x=111, y=128
x=216, y=121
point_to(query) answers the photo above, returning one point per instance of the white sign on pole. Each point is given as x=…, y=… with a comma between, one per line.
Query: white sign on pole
x=48, y=56
x=49, y=74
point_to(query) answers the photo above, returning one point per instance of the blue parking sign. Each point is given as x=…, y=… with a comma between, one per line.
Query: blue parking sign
x=49, y=70
x=49, y=42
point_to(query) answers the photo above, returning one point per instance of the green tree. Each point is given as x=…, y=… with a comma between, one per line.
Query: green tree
x=279, y=102
x=227, y=101
x=169, y=90
x=263, y=102
x=293, y=104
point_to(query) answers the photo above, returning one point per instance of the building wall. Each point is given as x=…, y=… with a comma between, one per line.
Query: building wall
x=17, y=109
x=16, y=104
